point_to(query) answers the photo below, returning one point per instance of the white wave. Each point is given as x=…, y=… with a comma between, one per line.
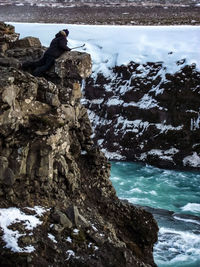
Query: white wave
x=153, y=192
x=176, y=246
x=135, y=190
x=115, y=178
x=193, y=207
x=186, y=220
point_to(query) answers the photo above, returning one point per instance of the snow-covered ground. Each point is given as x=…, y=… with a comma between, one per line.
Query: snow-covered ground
x=13, y=215
x=117, y=45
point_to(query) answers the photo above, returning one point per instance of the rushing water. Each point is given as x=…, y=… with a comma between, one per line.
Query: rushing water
x=174, y=199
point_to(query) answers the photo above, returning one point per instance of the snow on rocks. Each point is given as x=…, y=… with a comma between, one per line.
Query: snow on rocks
x=192, y=160
x=52, y=237
x=162, y=154
x=145, y=116
x=113, y=155
x=70, y=253
x=11, y=216
x=195, y=123
x=164, y=128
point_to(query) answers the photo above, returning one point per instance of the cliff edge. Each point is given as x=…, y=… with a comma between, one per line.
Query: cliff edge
x=57, y=204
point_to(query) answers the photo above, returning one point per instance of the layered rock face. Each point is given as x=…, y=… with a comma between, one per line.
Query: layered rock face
x=57, y=204
x=144, y=114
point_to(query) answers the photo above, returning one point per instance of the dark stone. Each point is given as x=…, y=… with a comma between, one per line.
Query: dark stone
x=9, y=177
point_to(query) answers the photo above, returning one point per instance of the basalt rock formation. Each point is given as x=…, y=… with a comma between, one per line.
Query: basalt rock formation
x=57, y=204
x=142, y=113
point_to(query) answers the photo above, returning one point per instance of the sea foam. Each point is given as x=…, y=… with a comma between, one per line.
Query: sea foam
x=193, y=207
x=177, y=246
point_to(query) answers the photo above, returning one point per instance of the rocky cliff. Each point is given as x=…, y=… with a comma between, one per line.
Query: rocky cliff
x=57, y=204
x=142, y=113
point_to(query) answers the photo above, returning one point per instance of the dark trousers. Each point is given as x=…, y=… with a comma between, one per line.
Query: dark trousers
x=41, y=66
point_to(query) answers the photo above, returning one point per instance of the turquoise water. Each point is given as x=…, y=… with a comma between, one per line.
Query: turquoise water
x=174, y=199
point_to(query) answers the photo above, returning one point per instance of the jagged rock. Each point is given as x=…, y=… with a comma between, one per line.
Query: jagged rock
x=25, y=54
x=7, y=176
x=3, y=48
x=74, y=65
x=76, y=217
x=28, y=42
x=7, y=36
x=49, y=164
x=58, y=229
x=9, y=62
x=48, y=92
x=6, y=28
x=61, y=218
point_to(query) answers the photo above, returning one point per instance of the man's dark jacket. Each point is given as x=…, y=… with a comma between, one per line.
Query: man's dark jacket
x=58, y=46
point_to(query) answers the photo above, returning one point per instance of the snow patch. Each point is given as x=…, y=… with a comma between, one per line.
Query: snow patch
x=136, y=126
x=100, y=141
x=96, y=101
x=76, y=231
x=52, y=237
x=13, y=215
x=96, y=120
x=147, y=102
x=195, y=123
x=114, y=102
x=112, y=155
x=68, y=239
x=70, y=253
x=193, y=160
x=164, y=127
x=162, y=154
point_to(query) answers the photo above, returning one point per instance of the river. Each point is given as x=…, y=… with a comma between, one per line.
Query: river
x=174, y=199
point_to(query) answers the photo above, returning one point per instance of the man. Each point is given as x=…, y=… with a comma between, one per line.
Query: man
x=57, y=47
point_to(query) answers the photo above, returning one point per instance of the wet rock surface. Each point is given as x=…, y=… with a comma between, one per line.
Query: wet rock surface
x=142, y=113
x=54, y=183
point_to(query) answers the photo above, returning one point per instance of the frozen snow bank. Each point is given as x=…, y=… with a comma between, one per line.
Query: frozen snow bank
x=117, y=45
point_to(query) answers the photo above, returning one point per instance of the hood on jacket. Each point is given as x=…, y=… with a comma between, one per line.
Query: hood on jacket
x=62, y=33
x=59, y=34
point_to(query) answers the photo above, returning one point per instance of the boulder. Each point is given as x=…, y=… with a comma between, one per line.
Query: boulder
x=7, y=33
x=74, y=65
x=62, y=219
x=27, y=42
x=9, y=62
